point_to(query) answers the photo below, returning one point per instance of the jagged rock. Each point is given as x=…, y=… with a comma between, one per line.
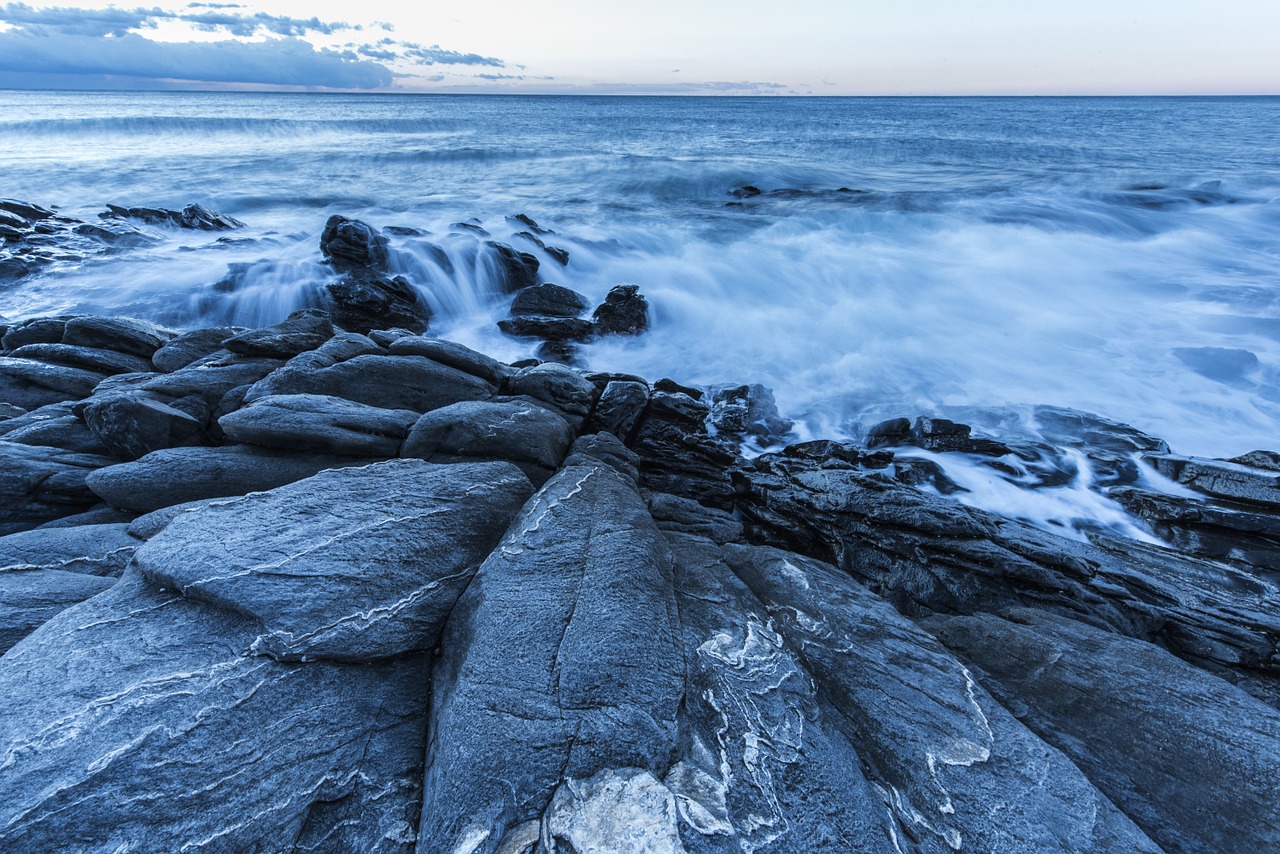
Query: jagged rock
x=116, y=235
x=303, y=330
x=354, y=564
x=521, y=431
x=362, y=301
x=524, y=221
x=31, y=384
x=511, y=269
x=473, y=228
x=1221, y=479
x=454, y=355
x=30, y=597
x=137, y=719
x=122, y=334
x=200, y=217
x=582, y=588
x=549, y=301
x=26, y=210
x=747, y=410
x=38, y=484
x=604, y=448
x=672, y=387
x=623, y=312
x=212, y=376
x=548, y=328
x=828, y=452
x=942, y=435
x=88, y=549
x=53, y=426
x=350, y=244
x=686, y=516
x=394, y=382
x=560, y=352
x=560, y=256
x=133, y=425
x=618, y=411
x=1269, y=460
x=907, y=699
x=1193, y=760
x=919, y=472
x=88, y=358
x=678, y=456
x=316, y=422
x=178, y=475
x=894, y=431
x=562, y=387
x=190, y=346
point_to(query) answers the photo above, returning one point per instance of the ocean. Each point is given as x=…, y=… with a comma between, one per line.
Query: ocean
x=968, y=257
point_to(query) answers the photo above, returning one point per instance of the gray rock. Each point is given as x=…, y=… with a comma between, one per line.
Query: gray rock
x=136, y=720
x=317, y=422
x=38, y=484
x=686, y=516
x=53, y=426
x=8, y=411
x=618, y=411
x=354, y=564
x=26, y=210
x=30, y=597
x=147, y=525
x=40, y=330
x=31, y=384
x=679, y=456
x=303, y=330
x=188, y=347
x=1269, y=460
x=393, y=382
x=178, y=475
x=352, y=244
x=454, y=355
x=212, y=376
x=548, y=328
x=565, y=651
x=133, y=425
x=122, y=334
x=116, y=235
x=362, y=301
x=748, y=410
x=88, y=358
x=200, y=217
x=87, y=549
x=1192, y=759
x=604, y=448
x=549, y=300
x=562, y=387
x=1221, y=479
x=100, y=514
x=511, y=269
x=623, y=312
x=521, y=431
x=954, y=766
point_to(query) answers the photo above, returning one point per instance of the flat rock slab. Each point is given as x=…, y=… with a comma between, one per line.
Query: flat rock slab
x=558, y=385
x=122, y=334
x=213, y=376
x=303, y=330
x=88, y=358
x=53, y=426
x=31, y=384
x=30, y=597
x=88, y=549
x=135, y=721
x=1221, y=479
x=520, y=431
x=178, y=475
x=353, y=564
x=317, y=422
x=1194, y=760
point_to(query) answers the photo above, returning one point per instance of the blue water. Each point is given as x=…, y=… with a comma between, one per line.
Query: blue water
x=1118, y=255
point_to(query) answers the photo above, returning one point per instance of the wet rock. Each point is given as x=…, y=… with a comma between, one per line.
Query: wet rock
x=122, y=334
x=562, y=387
x=672, y=387
x=919, y=472
x=942, y=435
x=350, y=244
x=524, y=221
x=9, y=411
x=604, y=448
x=623, y=312
x=1220, y=479
x=1193, y=760
x=678, y=456
x=353, y=565
x=30, y=597
x=685, y=516
x=53, y=426
x=747, y=410
x=38, y=484
x=1268, y=460
x=26, y=210
x=179, y=475
x=192, y=216
x=454, y=355
x=473, y=228
x=548, y=328
x=618, y=411
x=521, y=431
x=133, y=425
x=894, y=431
x=560, y=256
x=362, y=301
x=31, y=384
x=321, y=423
x=42, y=330
x=304, y=330
x=96, y=705
x=116, y=235
x=513, y=270
x=548, y=301
x=103, y=550
x=88, y=358
x=829, y=453
x=188, y=347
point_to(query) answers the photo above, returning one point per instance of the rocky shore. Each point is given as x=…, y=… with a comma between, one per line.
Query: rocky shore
x=337, y=585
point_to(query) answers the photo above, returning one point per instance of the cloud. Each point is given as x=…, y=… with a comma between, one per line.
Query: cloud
x=112, y=21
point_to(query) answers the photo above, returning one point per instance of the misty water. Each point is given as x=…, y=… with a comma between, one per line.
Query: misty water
x=903, y=256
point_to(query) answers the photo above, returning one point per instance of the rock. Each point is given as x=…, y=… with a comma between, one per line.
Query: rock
x=1194, y=761
x=30, y=597
x=678, y=456
x=549, y=301
x=747, y=410
x=362, y=301
x=42, y=330
x=562, y=387
x=906, y=697
x=672, y=387
x=99, y=514
x=839, y=454
x=623, y=312
x=582, y=588
x=147, y=525
x=137, y=720
x=354, y=564
x=88, y=358
x=560, y=256
x=920, y=472
x=133, y=425
x=940, y=435
x=618, y=411
x=190, y=346
x=604, y=448
x=304, y=330
x=31, y=384
x=511, y=270
x=560, y=352
x=178, y=475
x=320, y=423
x=523, y=221
x=895, y=431
x=8, y=411
x=89, y=549
x=1268, y=460
x=52, y=426
x=350, y=244
x=200, y=217
x=12, y=269
x=394, y=382
x=686, y=516
x=26, y=210
x=116, y=235
x=39, y=484
x=211, y=377
x=454, y=355
x=521, y=431
x=548, y=328
x=1221, y=479
x=122, y=334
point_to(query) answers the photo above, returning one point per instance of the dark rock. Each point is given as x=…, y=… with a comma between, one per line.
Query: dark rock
x=190, y=346
x=12, y=269
x=1268, y=460
x=122, y=334
x=350, y=244
x=394, y=382
x=384, y=338
x=748, y=410
x=453, y=355
x=561, y=352
x=179, y=475
x=404, y=231
x=623, y=312
x=831, y=453
x=562, y=387
x=919, y=472
x=304, y=330
x=9, y=411
x=88, y=358
x=604, y=448
x=560, y=256
x=252, y=754
x=523, y=221
x=746, y=191
x=38, y=484
x=133, y=425
x=678, y=456
x=321, y=423
x=672, y=387
x=548, y=328
x=26, y=210
x=1232, y=481
x=548, y=300
x=212, y=376
x=1194, y=761
x=42, y=330
x=147, y=525
x=582, y=588
x=469, y=228
x=12, y=223
x=362, y=301
x=99, y=514
x=521, y=431
x=200, y=217
x=30, y=597
x=31, y=384
x=352, y=565
x=895, y=431
x=619, y=409
x=117, y=235
x=103, y=550
x=52, y=426
x=512, y=270
x=686, y=516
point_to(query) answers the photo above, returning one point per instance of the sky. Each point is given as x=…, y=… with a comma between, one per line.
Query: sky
x=743, y=47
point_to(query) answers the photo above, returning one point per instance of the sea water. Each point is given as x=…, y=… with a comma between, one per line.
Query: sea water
x=903, y=256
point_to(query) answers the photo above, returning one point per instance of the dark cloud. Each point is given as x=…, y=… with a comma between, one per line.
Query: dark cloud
x=436, y=55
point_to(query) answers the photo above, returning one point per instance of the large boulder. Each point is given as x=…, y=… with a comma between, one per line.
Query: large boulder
x=31, y=596
x=624, y=312
x=452, y=354
x=548, y=300
x=212, y=376
x=362, y=301
x=132, y=425
x=54, y=426
x=188, y=347
x=122, y=334
x=32, y=384
x=511, y=269
x=350, y=244
x=303, y=330
x=88, y=549
x=565, y=389
x=321, y=423
x=394, y=382
x=88, y=358
x=355, y=564
x=522, y=431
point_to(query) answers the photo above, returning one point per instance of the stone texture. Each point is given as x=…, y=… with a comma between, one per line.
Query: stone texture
x=303, y=330
x=522, y=431
x=38, y=484
x=31, y=596
x=89, y=549
x=188, y=347
x=320, y=423
x=133, y=425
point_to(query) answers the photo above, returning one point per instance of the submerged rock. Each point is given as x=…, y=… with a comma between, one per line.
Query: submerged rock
x=623, y=312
